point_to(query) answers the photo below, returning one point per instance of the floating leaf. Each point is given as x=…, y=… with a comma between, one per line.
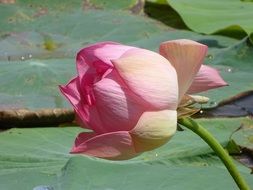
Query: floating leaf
x=236, y=106
x=212, y=16
x=234, y=64
x=37, y=53
x=39, y=158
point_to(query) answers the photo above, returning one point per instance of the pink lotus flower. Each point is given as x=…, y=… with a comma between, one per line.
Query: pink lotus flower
x=129, y=96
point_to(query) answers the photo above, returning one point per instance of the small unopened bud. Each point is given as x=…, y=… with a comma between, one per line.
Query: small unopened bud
x=200, y=99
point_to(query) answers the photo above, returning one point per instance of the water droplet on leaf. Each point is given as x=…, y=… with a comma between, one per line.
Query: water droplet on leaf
x=229, y=69
x=42, y=187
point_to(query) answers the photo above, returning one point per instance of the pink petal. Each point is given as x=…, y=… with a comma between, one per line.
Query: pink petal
x=96, y=58
x=150, y=76
x=83, y=137
x=118, y=106
x=93, y=61
x=112, y=146
x=186, y=56
x=207, y=78
x=154, y=129
x=86, y=115
x=71, y=92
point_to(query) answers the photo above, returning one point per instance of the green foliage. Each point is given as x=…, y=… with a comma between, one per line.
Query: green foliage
x=38, y=42
x=212, y=16
x=234, y=64
x=31, y=158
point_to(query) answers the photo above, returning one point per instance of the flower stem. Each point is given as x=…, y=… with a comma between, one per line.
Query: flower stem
x=218, y=149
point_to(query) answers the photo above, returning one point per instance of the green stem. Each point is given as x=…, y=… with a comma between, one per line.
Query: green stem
x=218, y=149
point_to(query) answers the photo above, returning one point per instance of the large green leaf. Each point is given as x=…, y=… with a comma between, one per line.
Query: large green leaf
x=40, y=75
x=234, y=64
x=212, y=16
x=37, y=52
x=39, y=158
x=164, y=13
